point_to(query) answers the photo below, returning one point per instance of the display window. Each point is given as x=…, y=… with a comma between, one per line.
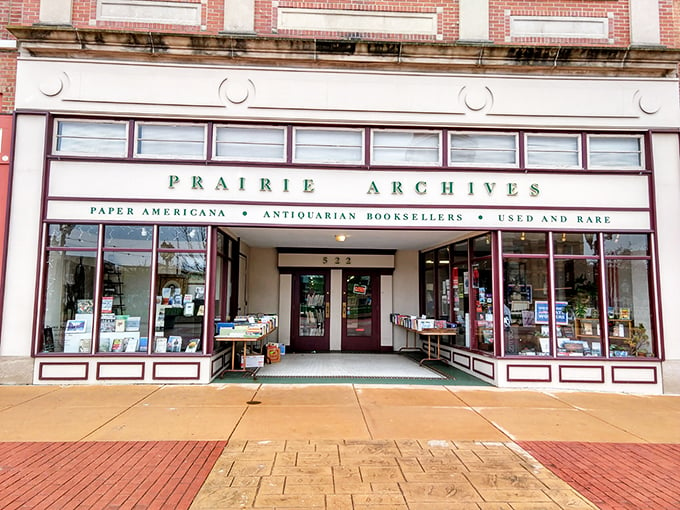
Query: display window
x=69, y=288
x=139, y=270
x=564, y=294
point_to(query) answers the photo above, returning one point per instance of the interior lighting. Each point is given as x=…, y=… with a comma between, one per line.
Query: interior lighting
x=564, y=236
x=522, y=237
x=340, y=238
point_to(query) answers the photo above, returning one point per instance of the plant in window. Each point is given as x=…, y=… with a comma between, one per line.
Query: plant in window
x=638, y=343
x=585, y=296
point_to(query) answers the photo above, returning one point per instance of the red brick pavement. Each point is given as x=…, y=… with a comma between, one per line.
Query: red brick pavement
x=616, y=476
x=105, y=475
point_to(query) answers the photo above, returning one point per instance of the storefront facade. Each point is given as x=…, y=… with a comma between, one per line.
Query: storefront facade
x=532, y=206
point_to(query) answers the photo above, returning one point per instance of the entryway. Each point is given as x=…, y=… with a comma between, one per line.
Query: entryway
x=317, y=296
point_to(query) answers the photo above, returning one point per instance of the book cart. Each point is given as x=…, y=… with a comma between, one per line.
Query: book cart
x=245, y=330
x=426, y=327
x=245, y=340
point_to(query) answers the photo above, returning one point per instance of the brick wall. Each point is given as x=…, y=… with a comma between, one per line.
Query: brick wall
x=212, y=22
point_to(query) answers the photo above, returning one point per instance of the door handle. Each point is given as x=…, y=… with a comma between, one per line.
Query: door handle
x=344, y=310
x=328, y=308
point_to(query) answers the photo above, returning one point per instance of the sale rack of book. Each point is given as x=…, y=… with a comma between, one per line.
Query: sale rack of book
x=251, y=331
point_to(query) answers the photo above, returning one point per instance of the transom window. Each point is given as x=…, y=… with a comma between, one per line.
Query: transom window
x=171, y=141
x=329, y=146
x=406, y=147
x=250, y=143
x=483, y=150
x=614, y=151
x=359, y=146
x=91, y=138
x=553, y=151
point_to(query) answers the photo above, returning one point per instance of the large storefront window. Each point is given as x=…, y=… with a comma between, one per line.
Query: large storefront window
x=76, y=320
x=180, y=291
x=629, y=312
x=564, y=294
x=69, y=288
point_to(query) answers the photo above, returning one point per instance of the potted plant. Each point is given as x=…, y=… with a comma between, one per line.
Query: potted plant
x=639, y=341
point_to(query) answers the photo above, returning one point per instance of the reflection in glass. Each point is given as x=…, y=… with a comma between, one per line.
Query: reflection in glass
x=569, y=243
x=524, y=242
x=128, y=236
x=69, y=235
x=359, y=305
x=626, y=244
x=124, y=321
x=312, y=305
x=180, y=302
x=629, y=311
x=69, y=304
x=482, y=296
x=525, y=311
x=186, y=237
x=576, y=285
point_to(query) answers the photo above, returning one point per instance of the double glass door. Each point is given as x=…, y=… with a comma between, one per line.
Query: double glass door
x=355, y=295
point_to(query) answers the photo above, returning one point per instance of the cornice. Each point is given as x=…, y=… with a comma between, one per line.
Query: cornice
x=92, y=43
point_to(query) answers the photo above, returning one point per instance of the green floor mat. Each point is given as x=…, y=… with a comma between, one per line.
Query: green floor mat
x=451, y=377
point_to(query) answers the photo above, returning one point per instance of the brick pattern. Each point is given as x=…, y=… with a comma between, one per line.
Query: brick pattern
x=372, y=474
x=616, y=476
x=121, y=475
x=84, y=11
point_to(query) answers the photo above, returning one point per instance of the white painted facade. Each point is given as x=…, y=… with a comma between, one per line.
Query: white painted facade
x=339, y=95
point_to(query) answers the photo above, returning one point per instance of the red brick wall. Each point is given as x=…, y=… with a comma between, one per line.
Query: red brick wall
x=8, y=72
x=27, y=12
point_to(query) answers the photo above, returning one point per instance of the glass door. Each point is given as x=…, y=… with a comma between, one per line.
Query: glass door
x=309, y=328
x=361, y=311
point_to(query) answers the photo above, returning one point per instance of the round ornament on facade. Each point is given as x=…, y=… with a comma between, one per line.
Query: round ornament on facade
x=237, y=90
x=52, y=86
x=476, y=98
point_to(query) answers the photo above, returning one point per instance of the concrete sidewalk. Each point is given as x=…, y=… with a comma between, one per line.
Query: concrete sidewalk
x=347, y=446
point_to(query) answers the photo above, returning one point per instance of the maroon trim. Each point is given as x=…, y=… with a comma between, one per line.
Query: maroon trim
x=221, y=357
x=482, y=362
x=562, y=379
x=508, y=367
x=614, y=380
x=8, y=206
x=461, y=355
x=156, y=364
x=98, y=376
x=41, y=377
x=657, y=308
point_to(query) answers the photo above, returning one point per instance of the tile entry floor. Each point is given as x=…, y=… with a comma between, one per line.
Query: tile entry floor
x=347, y=365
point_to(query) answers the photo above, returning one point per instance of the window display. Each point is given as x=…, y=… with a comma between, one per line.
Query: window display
x=69, y=288
x=117, y=321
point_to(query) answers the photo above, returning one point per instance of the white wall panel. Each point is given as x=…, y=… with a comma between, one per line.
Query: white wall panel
x=344, y=96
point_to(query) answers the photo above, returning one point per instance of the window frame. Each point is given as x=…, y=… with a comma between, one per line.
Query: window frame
x=641, y=152
x=215, y=143
x=136, y=140
x=372, y=147
x=579, y=150
x=362, y=147
x=56, y=137
x=513, y=134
